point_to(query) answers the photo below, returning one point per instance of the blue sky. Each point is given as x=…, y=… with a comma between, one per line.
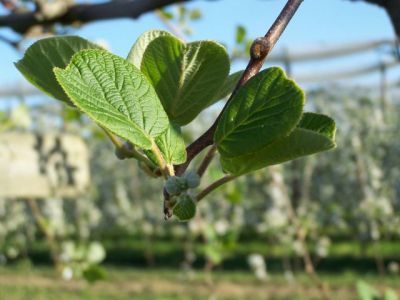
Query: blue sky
x=318, y=23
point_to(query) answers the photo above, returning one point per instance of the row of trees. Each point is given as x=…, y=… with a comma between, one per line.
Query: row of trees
x=352, y=191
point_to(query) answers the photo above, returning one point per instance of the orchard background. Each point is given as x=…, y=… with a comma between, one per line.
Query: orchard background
x=322, y=227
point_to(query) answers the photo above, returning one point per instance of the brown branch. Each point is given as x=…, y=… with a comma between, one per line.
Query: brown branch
x=206, y=161
x=21, y=22
x=258, y=53
x=85, y=13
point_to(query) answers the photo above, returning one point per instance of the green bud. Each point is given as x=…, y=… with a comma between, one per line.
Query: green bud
x=185, y=208
x=192, y=179
x=123, y=153
x=120, y=154
x=182, y=183
x=172, y=186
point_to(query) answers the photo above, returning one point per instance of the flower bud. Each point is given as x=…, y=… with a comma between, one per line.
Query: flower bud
x=173, y=186
x=185, y=208
x=192, y=179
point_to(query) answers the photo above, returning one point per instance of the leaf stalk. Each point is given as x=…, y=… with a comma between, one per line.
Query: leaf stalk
x=214, y=186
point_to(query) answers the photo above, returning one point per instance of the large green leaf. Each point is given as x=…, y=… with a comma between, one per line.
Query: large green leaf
x=186, y=76
x=171, y=145
x=266, y=108
x=115, y=94
x=315, y=133
x=40, y=59
x=136, y=53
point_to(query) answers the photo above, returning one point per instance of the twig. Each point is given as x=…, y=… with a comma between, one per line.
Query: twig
x=214, y=185
x=308, y=263
x=42, y=225
x=85, y=13
x=258, y=53
x=206, y=161
x=301, y=235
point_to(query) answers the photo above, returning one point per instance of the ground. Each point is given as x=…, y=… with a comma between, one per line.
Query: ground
x=40, y=284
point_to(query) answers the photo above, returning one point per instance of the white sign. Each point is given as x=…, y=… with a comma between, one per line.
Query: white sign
x=40, y=166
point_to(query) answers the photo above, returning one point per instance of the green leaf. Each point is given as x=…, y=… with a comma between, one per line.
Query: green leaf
x=228, y=86
x=315, y=133
x=136, y=53
x=240, y=34
x=171, y=145
x=318, y=123
x=266, y=108
x=214, y=253
x=166, y=14
x=185, y=208
x=366, y=291
x=390, y=295
x=115, y=94
x=195, y=14
x=94, y=273
x=186, y=76
x=182, y=10
x=40, y=59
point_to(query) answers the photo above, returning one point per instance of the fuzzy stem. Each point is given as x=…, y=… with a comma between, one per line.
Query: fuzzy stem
x=166, y=169
x=214, y=186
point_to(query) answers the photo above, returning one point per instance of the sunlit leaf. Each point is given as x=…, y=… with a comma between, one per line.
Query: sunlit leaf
x=171, y=145
x=266, y=108
x=186, y=76
x=315, y=133
x=195, y=14
x=115, y=94
x=240, y=34
x=366, y=291
x=40, y=59
x=136, y=53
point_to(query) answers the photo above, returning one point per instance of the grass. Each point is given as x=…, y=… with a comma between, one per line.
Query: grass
x=25, y=283
x=137, y=252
